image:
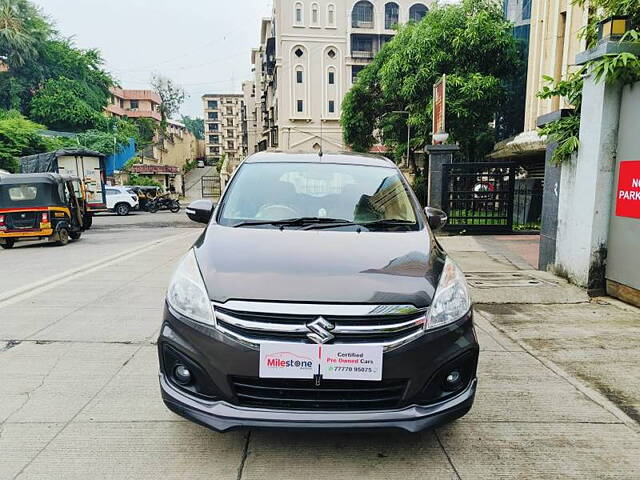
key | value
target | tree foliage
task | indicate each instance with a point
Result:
(195, 126)
(19, 137)
(23, 30)
(471, 43)
(172, 96)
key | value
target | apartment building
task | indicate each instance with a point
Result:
(223, 127)
(249, 118)
(309, 56)
(134, 104)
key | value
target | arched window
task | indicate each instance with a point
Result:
(417, 12)
(298, 14)
(391, 15)
(331, 15)
(362, 15)
(315, 14)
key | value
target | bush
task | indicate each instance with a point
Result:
(142, 181)
(19, 137)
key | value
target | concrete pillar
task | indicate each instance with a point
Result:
(550, 200)
(586, 187)
(438, 156)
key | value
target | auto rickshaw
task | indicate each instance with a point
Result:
(39, 206)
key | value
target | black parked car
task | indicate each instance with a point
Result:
(318, 297)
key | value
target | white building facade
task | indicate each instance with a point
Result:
(310, 54)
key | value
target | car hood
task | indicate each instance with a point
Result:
(319, 266)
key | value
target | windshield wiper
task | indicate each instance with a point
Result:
(292, 222)
(376, 223)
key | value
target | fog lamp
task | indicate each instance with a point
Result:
(182, 374)
(453, 378)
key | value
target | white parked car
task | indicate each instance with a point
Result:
(121, 200)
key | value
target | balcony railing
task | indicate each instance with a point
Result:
(362, 24)
(363, 54)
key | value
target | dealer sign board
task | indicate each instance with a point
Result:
(628, 192)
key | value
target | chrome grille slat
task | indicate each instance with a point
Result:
(252, 327)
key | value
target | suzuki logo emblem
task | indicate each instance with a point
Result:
(320, 330)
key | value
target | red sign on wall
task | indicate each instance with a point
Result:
(628, 193)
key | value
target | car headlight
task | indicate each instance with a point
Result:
(187, 294)
(451, 300)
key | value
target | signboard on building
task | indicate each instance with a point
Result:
(628, 192)
(439, 105)
(155, 169)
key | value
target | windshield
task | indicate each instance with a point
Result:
(263, 192)
(26, 195)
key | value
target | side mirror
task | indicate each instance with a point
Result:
(200, 211)
(436, 218)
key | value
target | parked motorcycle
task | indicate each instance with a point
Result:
(163, 203)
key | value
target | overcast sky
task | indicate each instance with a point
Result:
(204, 45)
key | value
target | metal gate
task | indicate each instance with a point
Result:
(210, 186)
(478, 197)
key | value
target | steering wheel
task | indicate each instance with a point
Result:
(276, 212)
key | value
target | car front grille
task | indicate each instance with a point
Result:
(296, 394)
(389, 326)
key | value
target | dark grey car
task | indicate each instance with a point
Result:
(318, 297)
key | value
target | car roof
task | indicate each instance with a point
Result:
(346, 158)
(22, 178)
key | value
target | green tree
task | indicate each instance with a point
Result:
(172, 96)
(195, 126)
(472, 44)
(64, 104)
(19, 137)
(23, 30)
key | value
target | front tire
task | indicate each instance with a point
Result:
(122, 209)
(175, 207)
(63, 237)
(8, 243)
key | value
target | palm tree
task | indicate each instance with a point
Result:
(23, 28)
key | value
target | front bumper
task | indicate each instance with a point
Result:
(217, 358)
(222, 416)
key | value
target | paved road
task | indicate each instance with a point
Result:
(79, 396)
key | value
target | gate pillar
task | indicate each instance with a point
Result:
(438, 156)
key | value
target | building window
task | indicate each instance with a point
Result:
(331, 53)
(229, 110)
(230, 145)
(299, 76)
(332, 106)
(212, 104)
(134, 104)
(299, 52)
(230, 133)
(417, 12)
(362, 15)
(214, 139)
(299, 16)
(300, 106)
(213, 127)
(331, 15)
(229, 122)
(332, 78)
(391, 15)
(526, 9)
(213, 115)
(354, 72)
(315, 13)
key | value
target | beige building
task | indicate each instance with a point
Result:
(223, 126)
(309, 55)
(134, 104)
(164, 161)
(553, 46)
